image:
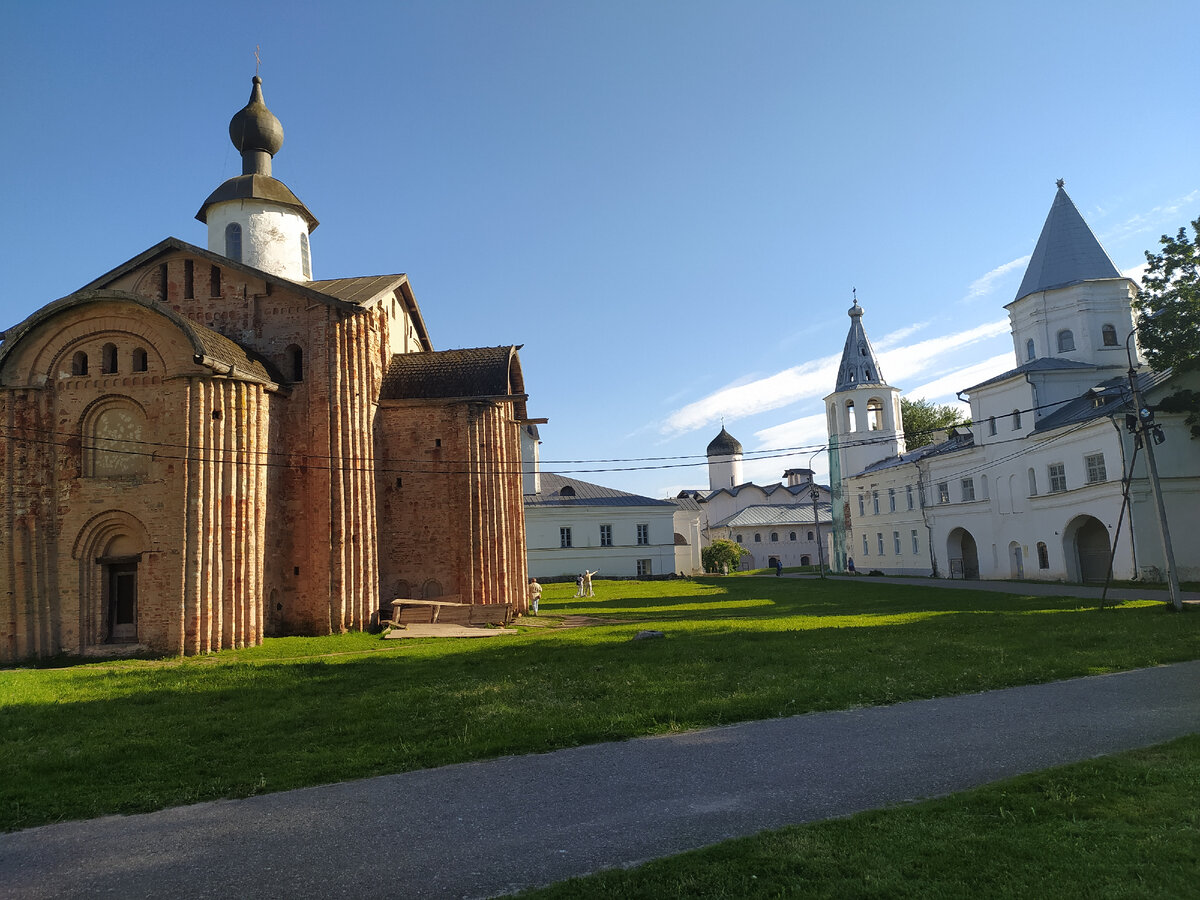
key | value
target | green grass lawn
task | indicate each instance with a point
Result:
(88, 739)
(1122, 826)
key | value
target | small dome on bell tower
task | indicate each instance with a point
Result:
(254, 218)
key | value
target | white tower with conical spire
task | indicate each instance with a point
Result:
(863, 412)
(724, 461)
(1073, 302)
(254, 218)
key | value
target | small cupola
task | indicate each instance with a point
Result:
(254, 218)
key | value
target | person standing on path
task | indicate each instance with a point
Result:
(778, 567)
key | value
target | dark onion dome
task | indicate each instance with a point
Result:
(724, 444)
(258, 136)
(254, 127)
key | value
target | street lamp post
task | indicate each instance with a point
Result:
(816, 495)
(1144, 428)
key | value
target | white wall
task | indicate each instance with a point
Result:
(270, 235)
(547, 559)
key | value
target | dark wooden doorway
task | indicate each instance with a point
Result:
(121, 584)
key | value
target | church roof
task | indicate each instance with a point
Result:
(456, 374)
(257, 187)
(724, 444)
(359, 290)
(1066, 253)
(584, 493)
(348, 294)
(859, 365)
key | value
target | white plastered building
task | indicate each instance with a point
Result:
(1033, 488)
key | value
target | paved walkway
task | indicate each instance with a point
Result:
(487, 828)
(1032, 588)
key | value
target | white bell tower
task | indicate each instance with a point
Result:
(863, 412)
(254, 218)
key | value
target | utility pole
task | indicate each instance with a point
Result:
(1143, 428)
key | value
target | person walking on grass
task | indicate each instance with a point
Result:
(535, 595)
(778, 567)
(579, 585)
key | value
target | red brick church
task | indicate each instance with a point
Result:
(206, 446)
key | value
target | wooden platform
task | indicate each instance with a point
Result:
(449, 611)
(423, 630)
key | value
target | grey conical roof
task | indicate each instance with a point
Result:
(724, 444)
(859, 364)
(1066, 253)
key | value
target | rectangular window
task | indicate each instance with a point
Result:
(908, 493)
(643, 567)
(862, 510)
(891, 499)
(896, 542)
(916, 543)
(1095, 468)
(921, 493)
(943, 492)
(968, 490)
(875, 502)
(866, 551)
(1058, 477)
(643, 535)
(879, 536)
(564, 537)
(605, 535)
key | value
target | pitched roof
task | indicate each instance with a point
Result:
(456, 375)
(1042, 364)
(778, 514)
(767, 489)
(1066, 253)
(348, 294)
(585, 494)
(859, 365)
(960, 440)
(359, 290)
(1111, 397)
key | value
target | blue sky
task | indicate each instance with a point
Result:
(667, 203)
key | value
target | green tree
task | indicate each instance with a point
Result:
(1169, 327)
(924, 418)
(720, 553)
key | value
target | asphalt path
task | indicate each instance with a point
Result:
(493, 827)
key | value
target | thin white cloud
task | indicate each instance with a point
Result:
(1152, 220)
(812, 379)
(945, 388)
(984, 284)
(895, 337)
(817, 378)
(806, 431)
(904, 363)
(1136, 272)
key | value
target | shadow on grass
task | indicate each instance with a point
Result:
(202, 730)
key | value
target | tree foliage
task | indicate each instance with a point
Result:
(722, 553)
(924, 418)
(1169, 304)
